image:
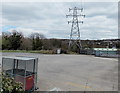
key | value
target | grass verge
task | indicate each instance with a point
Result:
(30, 51)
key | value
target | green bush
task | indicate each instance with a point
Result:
(9, 85)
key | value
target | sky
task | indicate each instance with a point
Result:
(49, 19)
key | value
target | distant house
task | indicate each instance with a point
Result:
(106, 52)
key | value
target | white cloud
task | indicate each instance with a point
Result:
(27, 31)
(49, 19)
(60, 1)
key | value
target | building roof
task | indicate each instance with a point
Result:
(105, 49)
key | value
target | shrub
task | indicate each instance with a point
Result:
(9, 85)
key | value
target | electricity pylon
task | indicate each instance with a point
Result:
(75, 30)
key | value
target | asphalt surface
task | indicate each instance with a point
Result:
(75, 72)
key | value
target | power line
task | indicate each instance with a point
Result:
(75, 30)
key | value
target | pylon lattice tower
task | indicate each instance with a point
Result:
(75, 30)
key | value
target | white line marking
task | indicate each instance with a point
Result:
(55, 89)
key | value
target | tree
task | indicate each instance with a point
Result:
(9, 85)
(15, 40)
(11, 40)
(26, 44)
(47, 45)
(37, 42)
(5, 40)
(56, 43)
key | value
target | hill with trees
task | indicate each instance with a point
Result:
(36, 41)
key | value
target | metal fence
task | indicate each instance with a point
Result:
(22, 69)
